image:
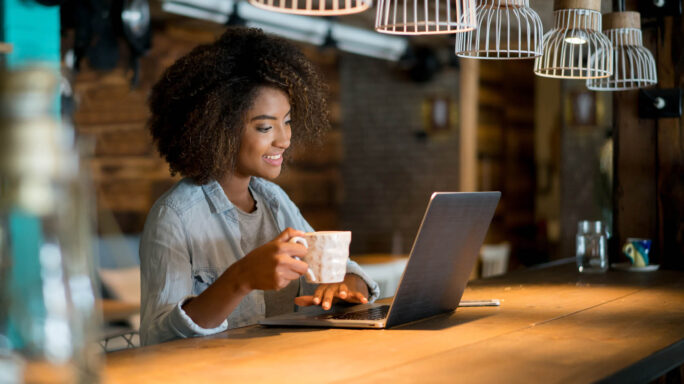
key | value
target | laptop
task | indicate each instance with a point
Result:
(443, 255)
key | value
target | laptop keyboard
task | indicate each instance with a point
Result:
(375, 313)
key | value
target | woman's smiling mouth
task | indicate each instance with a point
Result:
(274, 159)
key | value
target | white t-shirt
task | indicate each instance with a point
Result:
(258, 228)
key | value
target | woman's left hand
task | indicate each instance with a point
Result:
(353, 289)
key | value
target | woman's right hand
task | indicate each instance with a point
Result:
(272, 266)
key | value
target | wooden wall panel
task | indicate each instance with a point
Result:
(649, 155)
(124, 195)
(635, 196)
(670, 144)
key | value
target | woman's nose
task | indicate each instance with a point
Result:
(282, 139)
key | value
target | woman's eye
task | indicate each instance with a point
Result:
(263, 129)
(288, 122)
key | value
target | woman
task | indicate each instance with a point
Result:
(215, 252)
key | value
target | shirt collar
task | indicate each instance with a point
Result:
(217, 198)
(220, 202)
(265, 190)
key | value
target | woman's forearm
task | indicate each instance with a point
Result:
(219, 300)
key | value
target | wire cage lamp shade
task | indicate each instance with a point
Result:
(314, 7)
(633, 64)
(575, 48)
(425, 17)
(506, 29)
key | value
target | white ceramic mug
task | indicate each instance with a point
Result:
(327, 255)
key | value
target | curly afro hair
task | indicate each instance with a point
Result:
(200, 103)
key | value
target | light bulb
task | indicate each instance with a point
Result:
(576, 37)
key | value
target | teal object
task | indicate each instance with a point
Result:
(26, 237)
(33, 31)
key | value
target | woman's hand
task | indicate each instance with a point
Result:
(353, 289)
(273, 266)
(270, 266)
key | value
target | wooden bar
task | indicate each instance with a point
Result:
(553, 325)
(544, 351)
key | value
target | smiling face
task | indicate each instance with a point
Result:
(266, 135)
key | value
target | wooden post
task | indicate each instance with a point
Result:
(469, 79)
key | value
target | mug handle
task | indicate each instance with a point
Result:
(631, 252)
(302, 241)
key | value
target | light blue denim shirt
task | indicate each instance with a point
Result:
(191, 236)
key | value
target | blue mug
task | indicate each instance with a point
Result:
(637, 251)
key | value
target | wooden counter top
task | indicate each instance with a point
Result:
(116, 310)
(553, 325)
(378, 258)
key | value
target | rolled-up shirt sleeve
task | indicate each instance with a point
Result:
(166, 280)
(373, 288)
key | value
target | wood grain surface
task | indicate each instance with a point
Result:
(115, 310)
(669, 51)
(594, 5)
(649, 156)
(617, 20)
(553, 326)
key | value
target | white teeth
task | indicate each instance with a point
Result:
(276, 157)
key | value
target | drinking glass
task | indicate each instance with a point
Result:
(591, 250)
(48, 313)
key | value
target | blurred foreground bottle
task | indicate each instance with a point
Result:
(49, 322)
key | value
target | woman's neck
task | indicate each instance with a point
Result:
(236, 189)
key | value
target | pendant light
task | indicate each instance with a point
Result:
(425, 17)
(506, 29)
(314, 7)
(634, 65)
(575, 48)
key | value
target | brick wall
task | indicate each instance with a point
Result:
(389, 170)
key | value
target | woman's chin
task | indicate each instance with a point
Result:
(270, 176)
